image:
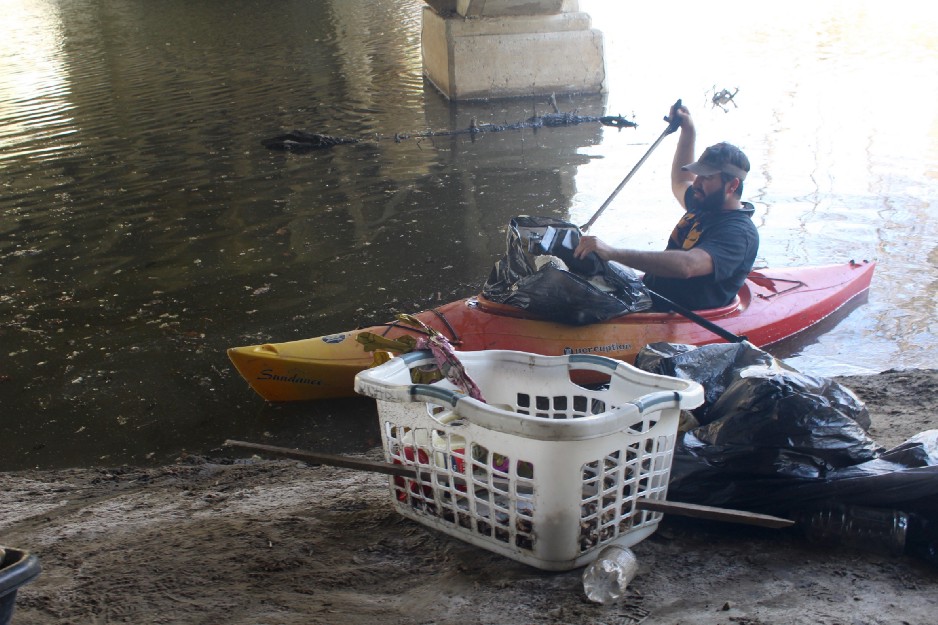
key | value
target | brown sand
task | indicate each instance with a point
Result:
(277, 542)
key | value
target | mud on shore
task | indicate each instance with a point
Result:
(252, 541)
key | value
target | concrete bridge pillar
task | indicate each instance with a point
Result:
(476, 49)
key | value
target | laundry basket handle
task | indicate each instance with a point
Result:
(656, 400)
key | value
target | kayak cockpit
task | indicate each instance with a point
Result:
(739, 303)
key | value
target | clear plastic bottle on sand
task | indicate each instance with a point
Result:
(606, 578)
(879, 530)
(922, 538)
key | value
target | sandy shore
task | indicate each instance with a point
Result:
(251, 541)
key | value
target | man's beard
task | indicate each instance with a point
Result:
(708, 204)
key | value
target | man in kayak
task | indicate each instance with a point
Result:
(713, 247)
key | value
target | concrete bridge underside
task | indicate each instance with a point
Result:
(476, 49)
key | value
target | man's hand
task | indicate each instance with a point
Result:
(683, 154)
(682, 114)
(590, 244)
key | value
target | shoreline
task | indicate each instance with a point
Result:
(248, 541)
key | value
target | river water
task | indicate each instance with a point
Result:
(144, 229)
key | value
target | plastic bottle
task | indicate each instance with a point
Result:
(880, 530)
(607, 577)
(922, 538)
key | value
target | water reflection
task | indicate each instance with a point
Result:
(34, 94)
(144, 229)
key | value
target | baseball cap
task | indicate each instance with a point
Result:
(722, 157)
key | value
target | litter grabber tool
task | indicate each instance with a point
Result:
(673, 124)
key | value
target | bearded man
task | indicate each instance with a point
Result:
(713, 246)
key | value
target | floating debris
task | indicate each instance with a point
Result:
(299, 141)
(723, 97)
(551, 120)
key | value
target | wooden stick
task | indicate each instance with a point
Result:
(332, 460)
(668, 507)
(713, 514)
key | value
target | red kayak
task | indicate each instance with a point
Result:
(773, 304)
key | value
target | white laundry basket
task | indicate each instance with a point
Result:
(548, 470)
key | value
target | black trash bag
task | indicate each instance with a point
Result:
(715, 368)
(702, 475)
(780, 442)
(557, 286)
(777, 440)
(720, 366)
(765, 425)
(903, 478)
